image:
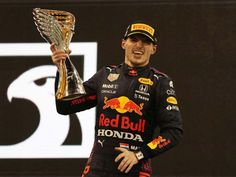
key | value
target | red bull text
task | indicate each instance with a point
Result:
(122, 122)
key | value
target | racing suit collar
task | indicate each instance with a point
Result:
(133, 71)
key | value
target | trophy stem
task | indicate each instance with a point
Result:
(61, 90)
(70, 83)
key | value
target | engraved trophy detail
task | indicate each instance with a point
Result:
(57, 27)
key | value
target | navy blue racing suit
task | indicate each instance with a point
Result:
(131, 104)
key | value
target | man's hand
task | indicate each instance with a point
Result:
(58, 55)
(129, 159)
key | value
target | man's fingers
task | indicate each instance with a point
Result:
(129, 167)
(120, 149)
(119, 157)
(124, 165)
(128, 159)
(53, 47)
(58, 55)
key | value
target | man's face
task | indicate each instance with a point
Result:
(138, 49)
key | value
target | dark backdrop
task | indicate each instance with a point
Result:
(196, 47)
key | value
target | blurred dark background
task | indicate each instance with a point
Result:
(196, 47)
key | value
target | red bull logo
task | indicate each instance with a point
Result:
(157, 142)
(123, 105)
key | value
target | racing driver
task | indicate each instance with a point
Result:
(132, 99)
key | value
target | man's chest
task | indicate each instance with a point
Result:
(126, 93)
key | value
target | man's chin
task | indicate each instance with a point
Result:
(137, 57)
(138, 63)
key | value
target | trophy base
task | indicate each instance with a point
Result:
(69, 97)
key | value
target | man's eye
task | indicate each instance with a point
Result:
(134, 39)
(147, 41)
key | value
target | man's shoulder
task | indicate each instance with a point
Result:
(112, 67)
(161, 77)
(158, 73)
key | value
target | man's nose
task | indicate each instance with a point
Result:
(139, 43)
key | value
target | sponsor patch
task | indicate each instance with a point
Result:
(171, 84)
(123, 104)
(173, 107)
(112, 77)
(156, 142)
(124, 145)
(110, 86)
(138, 96)
(123, 122)
(108, 91)
(170, 92)
(171, 100)
(146, 81)
(101, 142)
(143, 27)
(133, 72)
(119, 135)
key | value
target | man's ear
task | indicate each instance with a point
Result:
(123, 43)
(154, 49)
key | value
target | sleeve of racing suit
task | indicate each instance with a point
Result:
(88, 101)
(168, 119)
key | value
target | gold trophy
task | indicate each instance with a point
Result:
(57, 27)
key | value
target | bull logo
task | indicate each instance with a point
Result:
(123, 105)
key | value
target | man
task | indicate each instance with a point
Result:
(132, 100)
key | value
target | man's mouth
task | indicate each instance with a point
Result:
(137, 52)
